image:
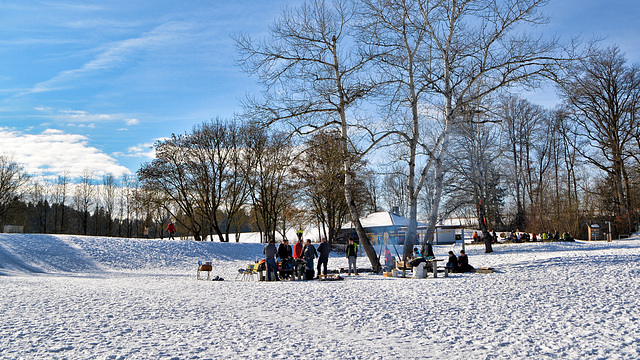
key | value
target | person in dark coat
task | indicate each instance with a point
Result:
(310, 253)
(463, 263)
(284, 250)
(453, 262)
(428, 250)
(286, 261)
(269, 252)
(323, 258)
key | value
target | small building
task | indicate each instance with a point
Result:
(595, 232)
(387, 228)
(382, 228)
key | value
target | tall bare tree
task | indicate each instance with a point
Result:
(522, 122)
(270, 156)
(12, 179)
(59, 200)
(313, 77)
(109, 196)
(603, 94)
(169, 173)
(84, 197)
(218, 162)
(449, 55)
(322, 178)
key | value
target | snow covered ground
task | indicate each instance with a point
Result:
(73, 297)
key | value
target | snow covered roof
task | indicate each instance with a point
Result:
(383, 218)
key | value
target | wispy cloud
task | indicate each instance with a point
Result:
(75, 117)
(114, 55)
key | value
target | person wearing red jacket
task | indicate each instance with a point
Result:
(297, 249)
(171, 229)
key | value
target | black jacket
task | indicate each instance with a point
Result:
(284, 251)
(324, 249)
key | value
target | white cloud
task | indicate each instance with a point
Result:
(142, 150)
(130, 122)
(53, 152)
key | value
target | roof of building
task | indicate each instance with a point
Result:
(379, 219)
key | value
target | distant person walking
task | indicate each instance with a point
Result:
(352, 256)
(323, 259)
(146, 232)
(171, 229)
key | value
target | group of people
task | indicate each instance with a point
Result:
(300, 254)
(459, 264)
(517, 237)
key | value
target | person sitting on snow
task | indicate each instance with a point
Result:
(452, 262)
(463, 263)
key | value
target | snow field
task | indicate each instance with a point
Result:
(70, 297)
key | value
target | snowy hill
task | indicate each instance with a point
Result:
(75, 297)
(37, 253)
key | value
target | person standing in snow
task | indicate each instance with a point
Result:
(270, 252)
(145, 232)
(352, 256)
(297, 250)
(284, 253)
(429, 250)
(171, 229)
(310, 253)
(323, 259)
(284, 250)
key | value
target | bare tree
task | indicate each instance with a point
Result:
(447, 56)
(39, 197)
(394, 189)
(322, 177)
(477, 151)
(217, 160)
(84, 197)
(603, 95)
(314, 78)
(109, 197)
(12, 179)
(270, 156)
(522, 121)
(169, 173)
(59, 199)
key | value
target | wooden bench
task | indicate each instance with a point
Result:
(446, 269)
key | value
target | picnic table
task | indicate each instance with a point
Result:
(405, 265)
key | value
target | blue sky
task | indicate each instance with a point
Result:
(92, 84)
